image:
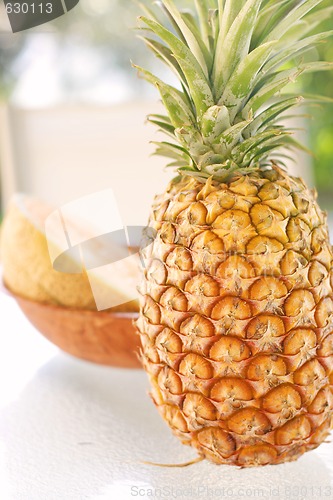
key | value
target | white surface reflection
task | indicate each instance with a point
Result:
(72, 430)
(22, 350)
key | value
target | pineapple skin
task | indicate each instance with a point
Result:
(236, 320)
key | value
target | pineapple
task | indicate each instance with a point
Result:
(236, 320)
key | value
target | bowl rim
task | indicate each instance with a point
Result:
(5, 290)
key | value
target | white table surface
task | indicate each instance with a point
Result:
(71, 430)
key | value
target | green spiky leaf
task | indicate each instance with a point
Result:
(235, 61)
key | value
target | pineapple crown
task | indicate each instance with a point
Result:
(233, 58)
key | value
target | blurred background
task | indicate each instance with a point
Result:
(73, 110)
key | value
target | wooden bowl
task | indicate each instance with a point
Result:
(101, 337)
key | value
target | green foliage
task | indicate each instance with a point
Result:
(10, 48)
(321, 124)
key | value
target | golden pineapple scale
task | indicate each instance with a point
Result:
(236, 323)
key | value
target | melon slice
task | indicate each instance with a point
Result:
(45, 269)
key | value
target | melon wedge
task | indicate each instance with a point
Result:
(29, 271)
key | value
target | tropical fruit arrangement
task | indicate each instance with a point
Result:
(236, 320)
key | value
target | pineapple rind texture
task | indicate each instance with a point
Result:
(236, 317)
